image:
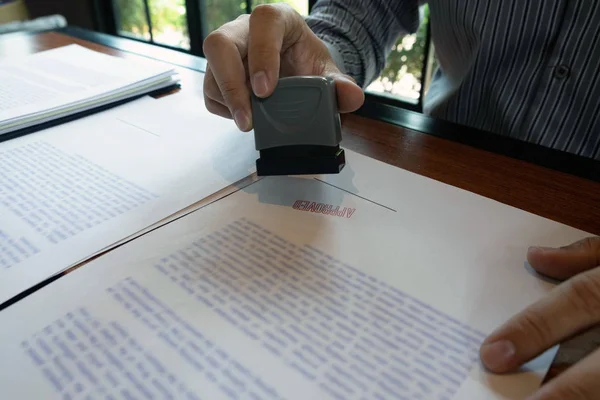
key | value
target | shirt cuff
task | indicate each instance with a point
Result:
(335, 55)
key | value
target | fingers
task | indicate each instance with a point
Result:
(224, 50)
(350, 96)
(217, 108)
(318, 61)
(273, 29)
(212, 94)
(570, 308)
(568, 261)
(246, 55)
(579, 382)
(211, 89)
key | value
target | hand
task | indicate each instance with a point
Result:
(571, 307)
(252, 52)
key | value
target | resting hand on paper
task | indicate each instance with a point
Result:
(254, 51)
(571, 308)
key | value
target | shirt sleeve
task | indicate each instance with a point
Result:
(360, 34)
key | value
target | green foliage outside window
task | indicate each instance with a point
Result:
(402, 75)
(169, 17)
(132, 18)
(218, 12)
(169, 23)
(299, 5)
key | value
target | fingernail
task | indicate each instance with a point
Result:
(534, 249)
(539, 249)
(260, 84)
(241, 119)
(498, 355)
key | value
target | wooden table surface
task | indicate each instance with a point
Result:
(558, 196)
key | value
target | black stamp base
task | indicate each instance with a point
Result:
(301, 160)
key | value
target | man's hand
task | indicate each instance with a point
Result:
(572, 307)
(252, 52)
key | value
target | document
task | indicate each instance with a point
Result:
(75, 190)
(292, 288)
(59, 82)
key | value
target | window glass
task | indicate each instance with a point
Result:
(402, 77)
(131, 19)
(218, 12)
(169, 22)
(299, 5)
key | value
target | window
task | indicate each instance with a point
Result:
(169, 23)
(219, 12)
(299, 5)
(157, 21)
(402, 77)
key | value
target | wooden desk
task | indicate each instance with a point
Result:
(438, 154)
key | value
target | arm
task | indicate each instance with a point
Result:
(360, 34)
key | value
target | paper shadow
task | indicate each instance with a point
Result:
(328, 189)
(287, 190)
(343, 180)
(231, 156)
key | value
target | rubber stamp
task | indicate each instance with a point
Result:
(297, 128)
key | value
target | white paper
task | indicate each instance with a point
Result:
(71, 191)
(292, 289)
(61, 81)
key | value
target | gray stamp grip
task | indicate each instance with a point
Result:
(297, 130)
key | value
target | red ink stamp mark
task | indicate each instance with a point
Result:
(323, 208)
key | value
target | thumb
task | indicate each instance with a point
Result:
(568, 261)
(350, 96)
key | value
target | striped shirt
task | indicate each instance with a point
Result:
(528, 69)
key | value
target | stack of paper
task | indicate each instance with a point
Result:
(68, 80)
